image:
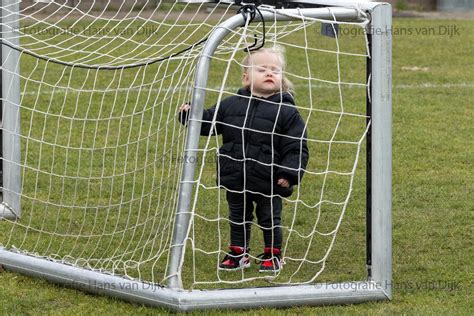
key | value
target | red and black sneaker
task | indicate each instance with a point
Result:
(270, 260)
(236, 259)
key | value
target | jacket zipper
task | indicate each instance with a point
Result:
(254, 103)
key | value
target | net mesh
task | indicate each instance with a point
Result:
(102, 149)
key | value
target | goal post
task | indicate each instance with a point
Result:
(381, 144)
(10, 206)
(380, 102)
(381, 147)
(78, 268)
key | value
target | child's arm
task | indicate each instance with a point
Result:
(207, 117)
(293, 151)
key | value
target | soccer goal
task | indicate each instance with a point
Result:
(104, 190)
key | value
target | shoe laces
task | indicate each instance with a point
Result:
(235, 256)
(266, 256)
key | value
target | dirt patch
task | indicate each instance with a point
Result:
(191, 13)
(206, 12)
(436, 15)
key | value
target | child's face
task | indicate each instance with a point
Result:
(264, 75)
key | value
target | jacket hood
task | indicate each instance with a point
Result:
(284, 97)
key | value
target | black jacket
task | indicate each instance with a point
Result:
(246, 154)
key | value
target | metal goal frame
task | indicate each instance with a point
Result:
(376, 287)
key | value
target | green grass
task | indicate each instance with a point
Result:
(433, 155)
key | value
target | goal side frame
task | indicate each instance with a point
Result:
(10, 193)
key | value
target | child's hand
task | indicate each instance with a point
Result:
(184, 113)
(283, 183)
(185, 107)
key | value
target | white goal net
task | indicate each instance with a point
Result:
(102, 149)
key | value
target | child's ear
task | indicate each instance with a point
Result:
(245, 79)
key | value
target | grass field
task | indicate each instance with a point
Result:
(433, 155)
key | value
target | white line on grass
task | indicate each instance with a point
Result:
(334, 86)
(435, 85)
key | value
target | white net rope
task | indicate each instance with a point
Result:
(102, 149)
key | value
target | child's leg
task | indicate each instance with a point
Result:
(240, 211)
(269, 217)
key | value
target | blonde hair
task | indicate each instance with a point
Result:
(279, 51)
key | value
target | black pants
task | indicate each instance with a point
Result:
(268, 211)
